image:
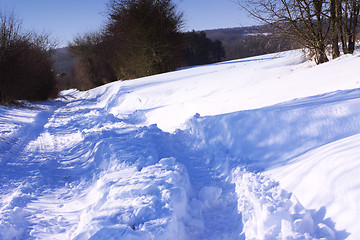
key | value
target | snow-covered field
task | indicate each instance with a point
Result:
(260, 148)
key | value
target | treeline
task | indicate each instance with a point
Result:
(144, 37)
(26, 71)
(318, 25)
(141, 38)
(244, 42)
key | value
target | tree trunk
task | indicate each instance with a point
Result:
(353, 25)
(321, 55)
(320, 39)
(343, 25)
(334, 29)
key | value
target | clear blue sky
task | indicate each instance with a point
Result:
(64, 19)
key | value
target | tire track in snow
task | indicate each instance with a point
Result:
(71, 196)
(263, 210)
(212, 202)
(18, 172)
(126, 181)
(16, 154)
(211, 205)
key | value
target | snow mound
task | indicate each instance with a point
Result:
(270, 212)
(334, 166)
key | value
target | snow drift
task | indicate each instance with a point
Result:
(259, 148)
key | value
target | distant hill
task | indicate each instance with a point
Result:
(63, 60)
(63, 63)
(229, 35)
(243, 42)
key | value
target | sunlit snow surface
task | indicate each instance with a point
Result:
(260, 148)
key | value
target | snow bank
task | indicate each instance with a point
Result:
(272, 136)
(309, 145)
(194, 154)
(272, 213)
(170, 99)
(328, 176)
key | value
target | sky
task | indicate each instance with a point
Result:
(65, 19)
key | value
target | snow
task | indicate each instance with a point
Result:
(259, 148)
(333, 166)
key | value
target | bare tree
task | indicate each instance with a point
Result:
(304, 21)
(335, 27)
(25, 63)
(92, 65)
(348, 15)
(9, 31)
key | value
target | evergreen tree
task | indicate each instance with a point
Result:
(201, 50)
(218, 51)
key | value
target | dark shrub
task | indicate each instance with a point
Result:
(25, 64)
(145, 36)
(92, 65)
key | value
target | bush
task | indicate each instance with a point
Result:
(145, 36)
(25, 64)
(141, 38)
(92, 66)
(202, 50)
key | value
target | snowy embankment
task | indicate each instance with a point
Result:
(261, 148)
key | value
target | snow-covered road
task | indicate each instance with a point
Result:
(94, 165)
(119, 180)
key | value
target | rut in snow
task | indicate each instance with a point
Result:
(212, 201)
(113, 174)
(120, 180)
(263, 210)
